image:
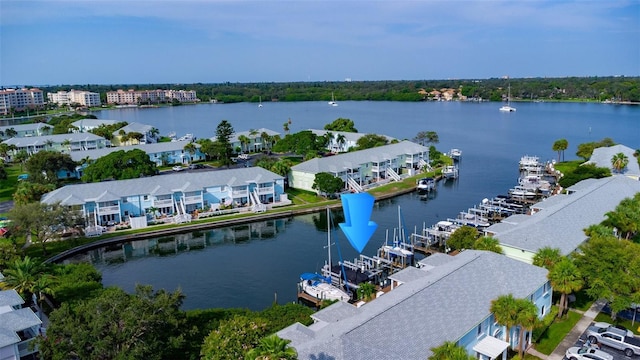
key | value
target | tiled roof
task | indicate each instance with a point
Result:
(449, 301)
(351, 160)
(77, 194)
(562, 224)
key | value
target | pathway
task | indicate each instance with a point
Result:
(573, 336)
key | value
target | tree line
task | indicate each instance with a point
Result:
(495, 89)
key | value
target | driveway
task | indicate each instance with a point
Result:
(5, 206)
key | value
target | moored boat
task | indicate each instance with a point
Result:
(320, 287)
(450, 172)
(426, 184)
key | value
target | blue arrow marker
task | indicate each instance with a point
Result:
(357, 212)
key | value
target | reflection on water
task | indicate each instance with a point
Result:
(176, 244)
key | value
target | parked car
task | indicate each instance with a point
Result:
(579, 353)
(177, 168)
(196, 166)
(614, 337)
(614, 328)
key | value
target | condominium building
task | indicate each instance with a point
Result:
(20, 100)
(84, 98)
(149, 96)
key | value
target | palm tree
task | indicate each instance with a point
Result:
(282, 167)
(191, 149)
(44, 286)
(67, 143)
(10, 132)
(505, 311)
(22, 275)
(48, 143)
(527, 319)
(341, 140)
(619, 161)
(488, 243)
(560, 146)
(266, 140)
(449, 351)
(154, 133)
(244, 141)
(432, 137)
(285, 127)
(547, 257)
(565, 278)
(272, 347)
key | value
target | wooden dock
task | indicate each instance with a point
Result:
(309, 299)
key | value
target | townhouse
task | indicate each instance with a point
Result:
(360, 168)
(18, 327)
(163, 153)
(342, 141)
(25, 130)
(65, 143)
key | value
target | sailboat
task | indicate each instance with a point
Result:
(508, 107)
(260, 103)
(333, 100)
(318, 286)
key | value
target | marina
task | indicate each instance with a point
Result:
(213, 267)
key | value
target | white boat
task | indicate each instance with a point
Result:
(260, 103)
(520, 192)
(333, 100)
(455, 154)
(508, 107)
(426, 184)
(450, 172)
(399, 250)
(321, 287)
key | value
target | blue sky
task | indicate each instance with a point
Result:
(164, 41)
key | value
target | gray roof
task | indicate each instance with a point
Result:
(78, 194)
(93, 122)
(601, 157)
(14, 321)
(561, 225)
(134, 127)
(349, 136)
(446, 303)
(153, 148)
(351, 160)
(56, 139)
(10, 298)
(25, 127)
(247, 133)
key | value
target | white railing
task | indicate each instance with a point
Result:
(354, 185)
(163, 203)
(192, 199)
(239, 193)
(392, 174)
(109, 210)
(265, 190)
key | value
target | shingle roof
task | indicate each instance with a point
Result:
(14, 321)
(10, 298)
(153, 148)
(350, 160)
(25, 127)
(601, 157)
(450, 300)
(247, 133)
(134, 127)
(349, 136)
(56, 139)
(93, 122)
(77, 194)
(561, 225)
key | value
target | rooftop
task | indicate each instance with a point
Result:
(153, 148)
(452, 296)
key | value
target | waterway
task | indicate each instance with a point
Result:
(248, 266)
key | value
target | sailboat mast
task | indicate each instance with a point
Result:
(329, 237)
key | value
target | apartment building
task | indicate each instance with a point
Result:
(149, 96)
(20, 100)
(84, 98)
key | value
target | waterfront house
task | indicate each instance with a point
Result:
(64, 143)
(560, 220)
(174, 194)
(18, 327)
(342, 141)
(149, 134)
(86, 125)
(254, 140)
(361, 168)
(163, 153)
(602, 156)
(25, 130)
(447, 299)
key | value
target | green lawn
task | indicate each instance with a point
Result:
(556, 332)
(619, 321)
(568, 166)
(8, 186)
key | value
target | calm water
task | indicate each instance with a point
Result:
(246, 266)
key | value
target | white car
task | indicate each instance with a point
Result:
(621, 329)
(177, 168)
(590, 353)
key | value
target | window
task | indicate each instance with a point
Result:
(124, 200)
(542, 310)
(145, 198)
(480, 332)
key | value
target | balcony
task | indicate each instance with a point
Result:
(106, 210)
(163, 203)
(239, 193)
(265, 190)
(192, 199)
